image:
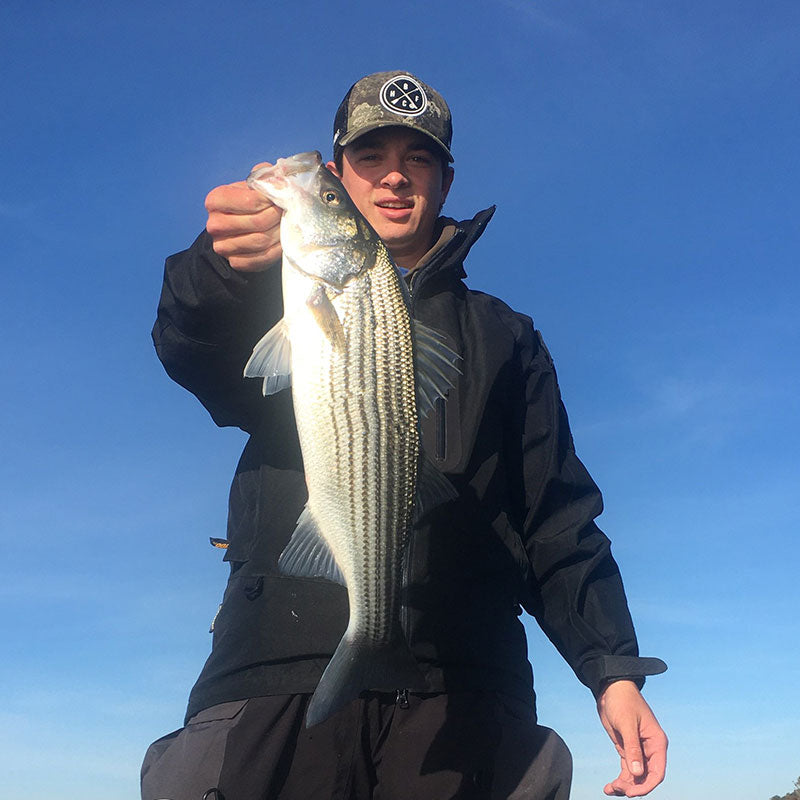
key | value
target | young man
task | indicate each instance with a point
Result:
(520, 534)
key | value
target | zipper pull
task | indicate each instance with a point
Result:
(402, 698)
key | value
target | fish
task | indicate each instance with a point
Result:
(362, 372)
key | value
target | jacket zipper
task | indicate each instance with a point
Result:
(412, 287)
(405, 622)
(406, 571)
(402, 694)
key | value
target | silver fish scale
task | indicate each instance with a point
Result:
(361, 478)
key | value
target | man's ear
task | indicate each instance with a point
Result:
(331, 165)
(447, 182)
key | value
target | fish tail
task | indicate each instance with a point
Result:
(358, 666)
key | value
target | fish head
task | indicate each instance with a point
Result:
(323, 234)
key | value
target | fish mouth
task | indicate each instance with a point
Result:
(302, 162)
(271, 180)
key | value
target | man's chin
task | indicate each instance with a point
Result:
(395, 236)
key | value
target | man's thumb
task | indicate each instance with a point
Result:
(634, 759)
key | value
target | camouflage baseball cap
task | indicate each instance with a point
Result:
(392, 98)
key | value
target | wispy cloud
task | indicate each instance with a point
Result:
(677, 396)
(686, 614)
(705, 380)
(534, 13)
(17, 211)
(692, 408)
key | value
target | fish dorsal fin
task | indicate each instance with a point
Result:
(307, 555)
(436, 366)
(272, 360)
(433, 488)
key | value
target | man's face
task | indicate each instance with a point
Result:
(394, 176)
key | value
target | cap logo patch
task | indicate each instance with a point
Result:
(403, 95)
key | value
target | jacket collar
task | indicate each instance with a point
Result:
(453, 241)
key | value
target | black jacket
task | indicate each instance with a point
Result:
(520, 535)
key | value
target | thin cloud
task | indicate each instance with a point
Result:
(697, 614)
(541, 19)
(17, 212)
(697, 409)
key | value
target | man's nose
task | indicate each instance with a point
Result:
(394, 177)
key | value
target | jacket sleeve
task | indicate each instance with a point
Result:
(209, 318)
(575, 588)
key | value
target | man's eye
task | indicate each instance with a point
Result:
(330, 197)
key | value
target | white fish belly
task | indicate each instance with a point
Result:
(356, 416)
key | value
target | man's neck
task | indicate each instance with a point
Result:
(443, 232)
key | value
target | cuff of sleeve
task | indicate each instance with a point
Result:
(598, 672)
(222, 266)
(218, 263)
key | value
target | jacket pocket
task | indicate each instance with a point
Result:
(440, 409)
(440, 432)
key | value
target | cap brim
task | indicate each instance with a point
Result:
(351, 136)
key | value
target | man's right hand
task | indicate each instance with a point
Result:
(244, 226)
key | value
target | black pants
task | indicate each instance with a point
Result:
(462, 745)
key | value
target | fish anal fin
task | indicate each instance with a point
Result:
(307, 555)
(271, 360)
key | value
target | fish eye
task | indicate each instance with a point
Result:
(330, 197)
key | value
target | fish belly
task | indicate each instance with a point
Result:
(356, 416)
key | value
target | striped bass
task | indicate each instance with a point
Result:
(362, 371)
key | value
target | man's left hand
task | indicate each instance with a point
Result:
(639, 739)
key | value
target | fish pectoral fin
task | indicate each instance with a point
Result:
(433, 488)
(272, 360)
(321, 308)
(307, 555)
(436, 366)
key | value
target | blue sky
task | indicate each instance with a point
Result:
(643, 155)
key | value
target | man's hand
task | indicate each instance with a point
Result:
(244, 226)
(638, 737)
